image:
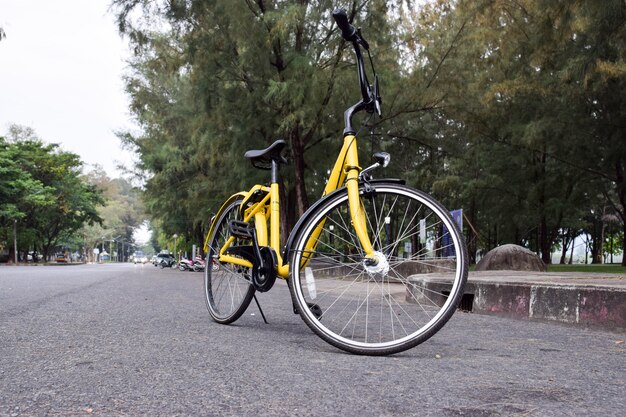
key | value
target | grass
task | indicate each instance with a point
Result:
(603, 268)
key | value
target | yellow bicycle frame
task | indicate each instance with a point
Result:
(346, 170)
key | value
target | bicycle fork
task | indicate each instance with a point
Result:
(346, 170)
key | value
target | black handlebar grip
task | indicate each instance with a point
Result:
(347, 30)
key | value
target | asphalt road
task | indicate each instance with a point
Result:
(129, 340)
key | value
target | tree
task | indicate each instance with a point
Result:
(514, 81)
(43, 192)
(122, 213)
(511, 110)
(18, 192)
(228, 76)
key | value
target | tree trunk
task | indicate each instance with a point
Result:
(624, 243)
(415, 241)
(297, 148)
(544, 243)
(46, 251)
(568, 242)
(597, 242)
(14, 252)
(620, 185)
(288, 216)
(472, 239)
(564, 240)
(11, 255)
(198, 237)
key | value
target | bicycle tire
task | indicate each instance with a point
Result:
(390, 307)
(227, 289)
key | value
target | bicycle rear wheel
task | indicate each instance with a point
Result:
(394, 305)
(228, 291)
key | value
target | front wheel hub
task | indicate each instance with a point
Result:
(380, 268)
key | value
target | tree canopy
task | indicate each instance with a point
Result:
(511, 110)
(536, 89)
(121, 213)
(42, 192)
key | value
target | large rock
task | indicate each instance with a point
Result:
(512, 258)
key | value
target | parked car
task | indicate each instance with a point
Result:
(60, 258)
(164, 260)
(33, 257)
(139, 257)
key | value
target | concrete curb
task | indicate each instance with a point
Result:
(588, 300)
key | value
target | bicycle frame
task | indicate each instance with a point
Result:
(345, 170)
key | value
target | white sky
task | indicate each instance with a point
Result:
(60, 73)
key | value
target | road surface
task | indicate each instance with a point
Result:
(129, 340)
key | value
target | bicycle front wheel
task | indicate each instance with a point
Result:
(228, 291)
(396, 304)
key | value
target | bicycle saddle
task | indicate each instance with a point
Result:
(263, 158)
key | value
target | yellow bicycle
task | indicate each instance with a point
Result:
(374, 267)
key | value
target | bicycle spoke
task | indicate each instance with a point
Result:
(369, 307)
(227, 291)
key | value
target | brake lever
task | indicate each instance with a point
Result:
(374, 103)
(362, 40)
(377, 98)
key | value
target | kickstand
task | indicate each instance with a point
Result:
(259, 305)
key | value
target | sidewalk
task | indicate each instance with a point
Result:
(583, 299)
(50, 263)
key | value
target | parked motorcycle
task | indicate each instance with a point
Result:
(198, 264)
(185, 265)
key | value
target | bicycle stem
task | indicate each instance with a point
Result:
(347, 118)
(367, 100)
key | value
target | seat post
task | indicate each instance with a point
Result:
(275, 216)
(275, 165)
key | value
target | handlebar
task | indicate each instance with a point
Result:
(347, 30)
(370, 99)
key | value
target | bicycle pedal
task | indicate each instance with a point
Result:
(314, 308)
(240, 229)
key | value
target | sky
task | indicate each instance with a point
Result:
(61, 65)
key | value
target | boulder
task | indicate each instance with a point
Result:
(512, 258)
